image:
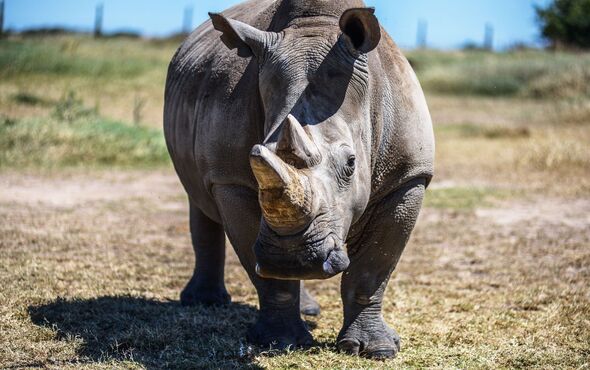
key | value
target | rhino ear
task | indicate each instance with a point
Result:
(362, 28)
(238, 35)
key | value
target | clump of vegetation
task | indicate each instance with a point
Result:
(555, 152)
(566, 23)
(27, 98)
(575, 111)
(70, 108)
(138, 104)
(89, 141)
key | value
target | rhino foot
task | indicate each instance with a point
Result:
(194, 294)
(371, 338)
(280, 329)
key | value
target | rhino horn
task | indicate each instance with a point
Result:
(295, 146)
(285, 196)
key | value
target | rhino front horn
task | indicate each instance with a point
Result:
(296, 146)
(284, 194)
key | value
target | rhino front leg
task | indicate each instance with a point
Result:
(279, 322)
(206, 285)
(379, 247)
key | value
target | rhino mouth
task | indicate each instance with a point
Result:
(316, 260)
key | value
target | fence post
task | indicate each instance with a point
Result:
(488, 38)
(421, 34)
(187, 21)
(98, 16)
(1, 18)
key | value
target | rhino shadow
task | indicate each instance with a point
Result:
(154, 333)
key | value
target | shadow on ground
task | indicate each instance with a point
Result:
(153, 333)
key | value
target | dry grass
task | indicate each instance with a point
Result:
(94, 283)
(535, 159)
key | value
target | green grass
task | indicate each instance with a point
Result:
(534, 74)
(91, 141)
(70, 57)
(464, 198)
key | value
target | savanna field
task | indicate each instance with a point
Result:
(95, 247)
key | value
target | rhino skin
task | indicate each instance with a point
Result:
(299, 130)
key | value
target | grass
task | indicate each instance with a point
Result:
(539, 159)
(114, 73)
(110, 74)
(92, 262)
(95, 285)
(555, 152)
(88, 142)
(464, 198)
(468, 130)
(533, 74)
(68, 57)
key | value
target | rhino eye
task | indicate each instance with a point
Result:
(350, 163)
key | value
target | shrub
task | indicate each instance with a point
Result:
(566, 23)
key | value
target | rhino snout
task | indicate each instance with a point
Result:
(288, 267)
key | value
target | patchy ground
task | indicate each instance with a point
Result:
(91, 266)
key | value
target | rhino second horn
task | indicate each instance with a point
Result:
(295, 145)
(284, 195)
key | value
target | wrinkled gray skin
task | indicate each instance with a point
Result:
(299, 129)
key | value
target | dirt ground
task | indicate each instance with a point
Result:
(91, 266)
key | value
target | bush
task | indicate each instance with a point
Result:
(566, 23)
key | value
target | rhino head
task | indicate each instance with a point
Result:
(314, 167)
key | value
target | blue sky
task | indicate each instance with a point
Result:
(450, 22)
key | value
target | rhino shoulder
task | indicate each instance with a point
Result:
(403, 140)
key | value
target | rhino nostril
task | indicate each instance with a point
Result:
(327, 267)
(336, 262)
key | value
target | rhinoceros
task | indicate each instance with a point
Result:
(299, 130)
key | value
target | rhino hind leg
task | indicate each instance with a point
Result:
(381, 243)
(206, 285)
(307, 304)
